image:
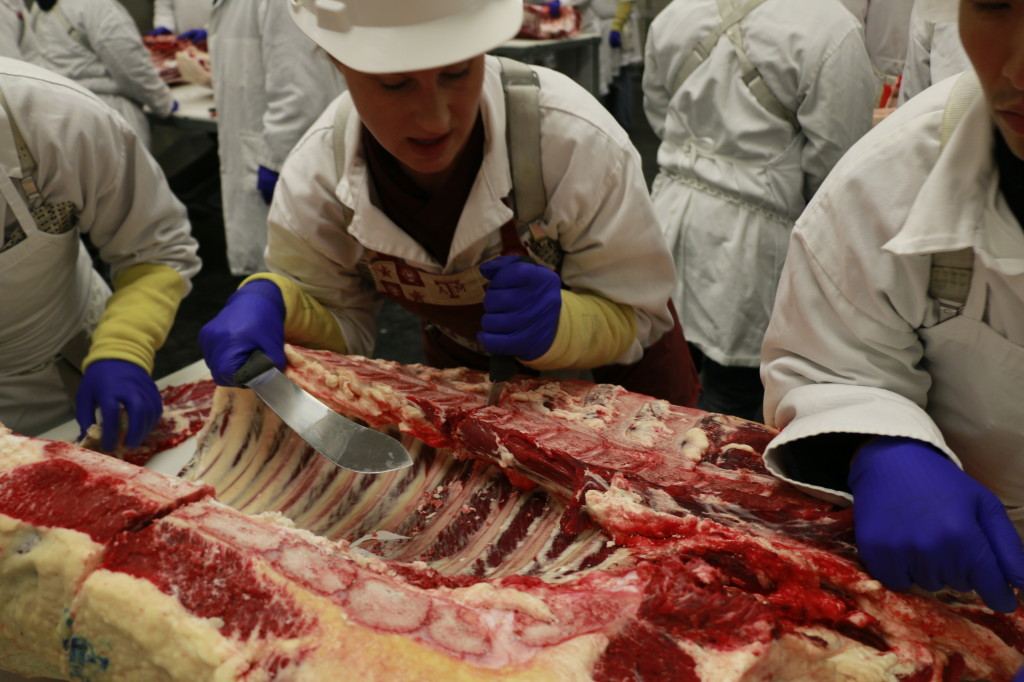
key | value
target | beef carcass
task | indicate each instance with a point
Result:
(571, 532)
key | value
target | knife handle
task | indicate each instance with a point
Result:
(503, 368)
(257, 363)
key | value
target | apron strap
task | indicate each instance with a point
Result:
(25, 158)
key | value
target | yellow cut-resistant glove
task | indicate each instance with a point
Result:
(622, 12)
(592, 332)
(138, 316)
(307, 322)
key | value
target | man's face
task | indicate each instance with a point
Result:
(993, 37)
(424, 118)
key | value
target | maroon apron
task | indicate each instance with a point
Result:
(450, 308)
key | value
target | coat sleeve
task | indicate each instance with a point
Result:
(833, 118)
(655, 86)
(917, 66)
(299, 83)
(115, 39)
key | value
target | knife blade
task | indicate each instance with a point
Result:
(347, 444)
(500, 369)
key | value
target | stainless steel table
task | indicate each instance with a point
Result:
(196, 111)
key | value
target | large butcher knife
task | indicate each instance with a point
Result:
(349, 445)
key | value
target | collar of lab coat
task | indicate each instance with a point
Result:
(483, 214)
(959, 204)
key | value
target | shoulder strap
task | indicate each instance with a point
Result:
(522, 129)
(731, 15)
(341, 115)
(950, 279)
(25, 158)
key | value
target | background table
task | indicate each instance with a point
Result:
(576, 57)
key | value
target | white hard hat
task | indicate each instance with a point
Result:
(394, 36)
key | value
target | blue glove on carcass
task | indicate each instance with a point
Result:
(615, 39)
(194, 35)
(521, 305)
(554, 9)
(266, 181)
(252, 318)
(109, 384)
(919, 519)
(160, 31)
(1020, 676)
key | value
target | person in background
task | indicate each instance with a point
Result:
(742, 150)
(13, 16)
(269, 84)
(97, 44)
(187, 18)
(73, 168)
(895, 354)
(620, 49)
(886, 34)
(934, 51)
(408, 197)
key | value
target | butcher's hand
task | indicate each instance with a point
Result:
(522, 305)
(554, 9)
(160, 31)
(266, 181)
(252, 318)
(195, 35)
(1020, 676)
(107, 385)
(919, 519)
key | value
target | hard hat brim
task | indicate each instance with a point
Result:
(399, 49)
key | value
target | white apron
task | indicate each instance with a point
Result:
(975, 397)
(49, 277)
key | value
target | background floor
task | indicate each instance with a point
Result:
(197, 184)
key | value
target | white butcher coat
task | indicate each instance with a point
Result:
(12, 28)
(115, 65)
(934, 52)
(886, 28)
(90, 158)
(733, 177)
(611, 60)
(270, 82)
(598, 210)
(854, 344)
(181, 15)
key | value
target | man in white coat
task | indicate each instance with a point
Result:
(742, 150)
(934, 52)
(187, 17)
(96, 43)
(72, 168)
(886, 30)
(895, 354)
(13, 18)
(269, 83)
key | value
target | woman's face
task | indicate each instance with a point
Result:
(993, 37)
(423, 118)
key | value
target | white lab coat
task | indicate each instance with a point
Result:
(886, 28)
(270, 83)
(12, 28)
(598, 210)
(855, 345)
(181, 15)
(115, 64)
(90, 158)
(733, 177)
(934, 51)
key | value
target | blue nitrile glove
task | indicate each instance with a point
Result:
(160, 31)
(109, 384)
(266, 180)
(1020, 676)
(615, 39)
(919, 519)
(554, 9)
(521, 307)
(195, 35)
(174, 106)
(252, 318)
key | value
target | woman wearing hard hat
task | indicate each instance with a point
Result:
(410, 196)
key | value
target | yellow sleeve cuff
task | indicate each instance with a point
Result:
(138, 316)
(622, 11)
(592, 332)
(306, 322)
